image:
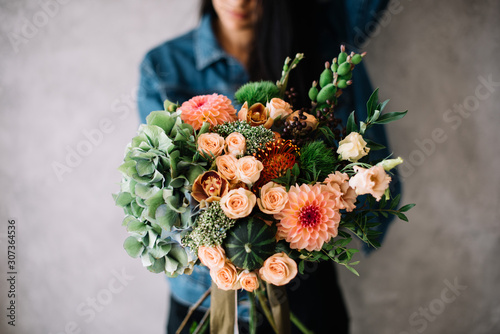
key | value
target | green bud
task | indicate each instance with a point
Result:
(342, 57)
(326, 77)
(344, 68)
(313, 93)
(326, 93)
(389, 164)
(341, 84)
(356, 59)
(334, 67)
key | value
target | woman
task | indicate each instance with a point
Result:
(242, 40)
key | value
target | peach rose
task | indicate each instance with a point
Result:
(235, 144)
(372, 181)
(238, 203)
(209, 186)
(310, 119)
(278, 269)
(249, 281)
(226, 277)
(273, 198)
(352, 147)
(212, 257)
(226, 165)
(210, 143)
(278, 108)
(248, 169)
(340, 182)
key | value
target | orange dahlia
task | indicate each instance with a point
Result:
(214, 109)
(310, 218)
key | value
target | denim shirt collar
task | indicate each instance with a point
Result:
(206, 47)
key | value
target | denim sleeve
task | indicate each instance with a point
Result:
(361, 14)
(148, 95)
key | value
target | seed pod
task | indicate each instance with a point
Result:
(344, 69)
(356, 59)
(342, 57)
(341, 84)
(313, 93)
(326, 77)
(326, 93)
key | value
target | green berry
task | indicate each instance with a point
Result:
(326, 77)
(344, 68)
(342, 57)
(341, 84)
(356, 59)
(313, 93)
(326, 93)
(346, 77)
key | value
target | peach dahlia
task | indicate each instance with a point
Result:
(310, 218)
(214, 109)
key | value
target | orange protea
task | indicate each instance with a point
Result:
(310, 218)
(277, 157)
(214, 109)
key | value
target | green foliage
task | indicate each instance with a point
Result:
(317, 160)
(159, 167)
(256, 136)
(257, 92)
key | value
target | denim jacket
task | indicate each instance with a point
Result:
(195, 64)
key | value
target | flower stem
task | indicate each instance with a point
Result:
(299, 324)
(265, 308)
(252, 321)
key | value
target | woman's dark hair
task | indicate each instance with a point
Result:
(284, 28)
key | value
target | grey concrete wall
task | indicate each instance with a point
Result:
(66, 74)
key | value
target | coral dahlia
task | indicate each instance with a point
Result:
(214, 109)
(310, 218)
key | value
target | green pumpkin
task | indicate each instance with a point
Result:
(249, 243)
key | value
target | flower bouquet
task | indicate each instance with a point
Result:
(253, 195)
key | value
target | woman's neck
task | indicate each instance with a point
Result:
(237, 43)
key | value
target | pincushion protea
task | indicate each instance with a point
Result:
(310, 218)
(214, 109)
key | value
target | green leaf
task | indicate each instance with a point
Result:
(382, 105)
(372, 104)
(158, 266)
(395, 202)
(402, 216)
(166, 217)
(373, 145)
(390, 117)
(133, 246)
(162, 119)
(137, 227)
(407, 207)
(352, 270)
(301, 267)
(351, 124)
(123, 199)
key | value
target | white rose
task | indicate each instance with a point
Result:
(353, 147)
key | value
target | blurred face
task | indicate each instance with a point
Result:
(236, 14)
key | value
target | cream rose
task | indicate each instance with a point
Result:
(273, 198)
(226, 277)
(248, 281)
(226, 165)
(352, 147)
(210, 143)
(278, 108)
(340, 182)
(238, 203)
(278, 269)
(212, 257)
(235, 144)
(248, 169)
(372, 181)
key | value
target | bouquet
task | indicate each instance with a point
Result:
(255, 194)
